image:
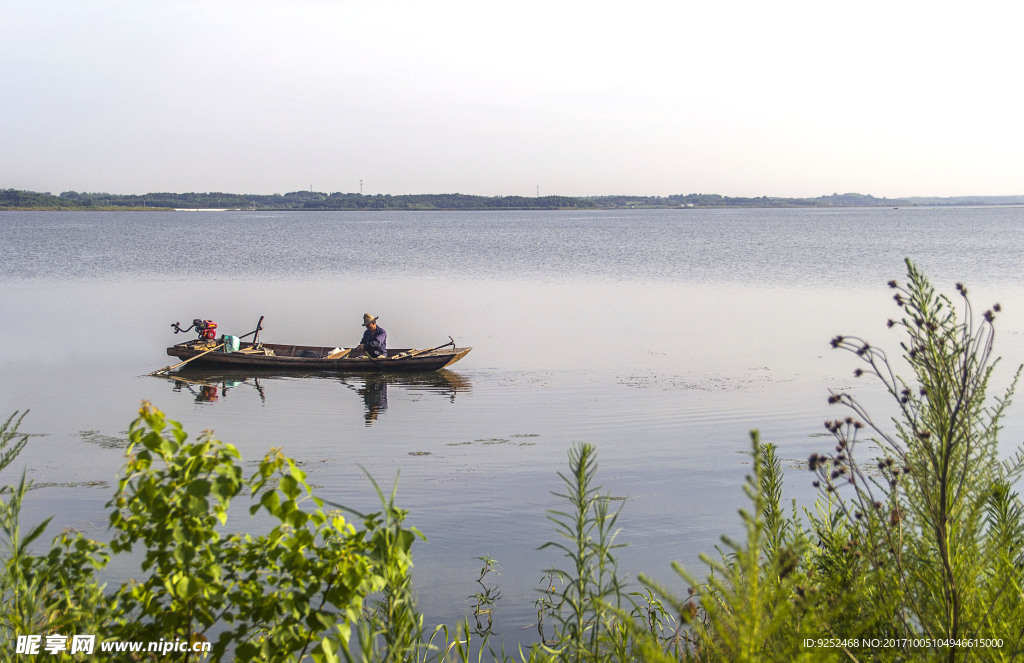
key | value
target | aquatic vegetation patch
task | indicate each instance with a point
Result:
(105, 441)
(68, 484)
(652, 380)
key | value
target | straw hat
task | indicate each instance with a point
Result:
(367, 319)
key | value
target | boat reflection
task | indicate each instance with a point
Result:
(210, 384)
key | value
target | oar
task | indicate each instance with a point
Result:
(451, 342)
(167, 369)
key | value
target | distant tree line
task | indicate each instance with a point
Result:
(311, 200)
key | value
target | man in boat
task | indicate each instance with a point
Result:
(374, 338)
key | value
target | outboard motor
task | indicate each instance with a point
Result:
(207, 329)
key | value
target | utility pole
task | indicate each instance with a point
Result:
(360, 187)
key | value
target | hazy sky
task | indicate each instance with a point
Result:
(753, 98)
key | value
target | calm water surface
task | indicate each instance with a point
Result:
(662, 337)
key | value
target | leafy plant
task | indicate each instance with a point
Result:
(288, 595)
(752, 604)
(932, 510)
(589, 602)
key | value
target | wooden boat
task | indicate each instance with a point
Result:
(315, 358)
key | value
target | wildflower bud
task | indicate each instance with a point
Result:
(836, 341)
(816, 484)
(898, 299)
(961, 289)
(996, 307)
(858, 425)
(833, 399)
(989, 317)
(893, 284)
(849, 420)
(858, 372)
(890, 323)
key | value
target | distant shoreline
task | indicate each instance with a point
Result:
(17, 200)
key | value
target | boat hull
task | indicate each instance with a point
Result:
(314, 358)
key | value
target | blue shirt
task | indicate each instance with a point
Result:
(375, 342)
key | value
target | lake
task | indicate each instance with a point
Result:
(661, 336)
